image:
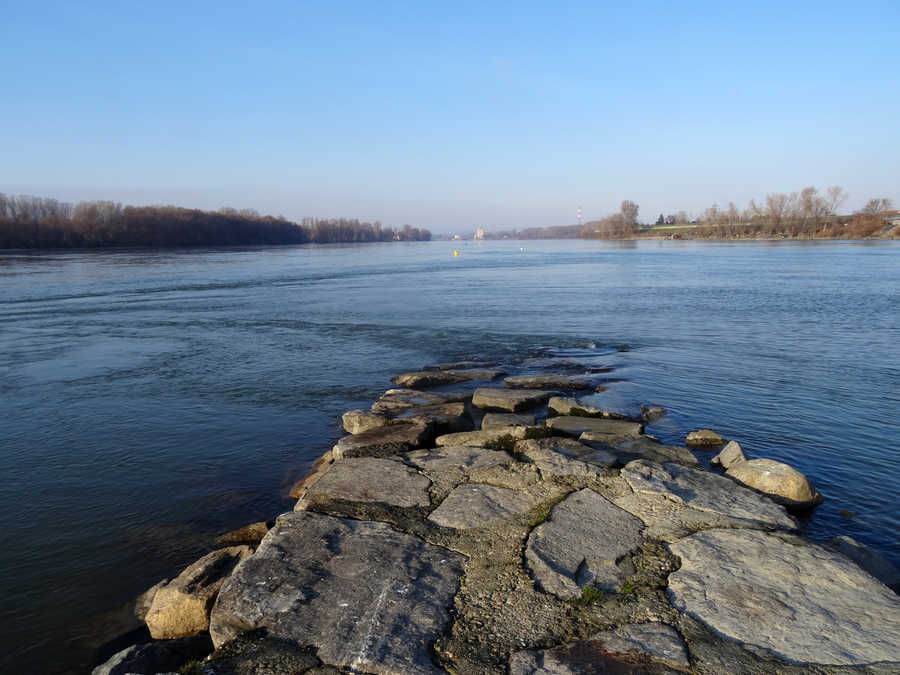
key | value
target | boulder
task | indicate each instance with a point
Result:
(469, 506)
(358, 421)
(795, 599)
(496, 420)
(489, 437)
(649, 449)
(652, 414)
(626, 649)
(575, 408)
(461, 459)
(730, 455)
(144, 601)
(508, 400)
(182, 606)
(437, 378)
(674, 500)
(366, 597)
(875, 564)
(598, 430)
(780, 481)
(704, 438)
(250, 534)
(586, 541)
(370, 479)
(547, 382)
(564, 457)
(383, 441)
(156, 657)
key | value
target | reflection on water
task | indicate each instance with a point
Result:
(152, 399)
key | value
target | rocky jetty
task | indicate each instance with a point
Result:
(576, 544)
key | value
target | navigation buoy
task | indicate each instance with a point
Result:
(455, 253)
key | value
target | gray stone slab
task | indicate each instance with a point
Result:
(383, 441)
(561, 457)
(627, 649)
(872, 562)
(547, 382)
(395, 401)
(559, 405)
(508, 400)
(646, 448)
(800, 601)
(604, 430)
(444, 418)
(495, 420)
(368, 598)
(586, 541)
(702, 491)
(460, 459)
(370, 479)
(469, 506)
(486, 437)
(730, 455)
(358, 421)
(436, 378)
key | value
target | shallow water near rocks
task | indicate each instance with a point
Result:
(151, 400)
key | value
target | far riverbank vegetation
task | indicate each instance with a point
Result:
(37, 222)
(807, 214)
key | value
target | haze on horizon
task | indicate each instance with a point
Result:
(448, 117)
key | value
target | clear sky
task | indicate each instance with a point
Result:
(449, 115)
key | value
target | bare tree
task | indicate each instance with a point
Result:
(629, 211)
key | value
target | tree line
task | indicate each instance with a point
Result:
(37, 222)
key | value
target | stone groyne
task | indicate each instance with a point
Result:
(469, 525)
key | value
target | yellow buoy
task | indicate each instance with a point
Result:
(455, 253)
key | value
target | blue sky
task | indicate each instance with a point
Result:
(449, 115)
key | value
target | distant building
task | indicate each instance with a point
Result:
(479, 233)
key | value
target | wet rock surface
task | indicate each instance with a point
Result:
(787, 596)
(436, 378)
(508, 400)
(250, 534)
(547, 382)
(371, 479)
(586, 541)
(395, 401)
(365, 596)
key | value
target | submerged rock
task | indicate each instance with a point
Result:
(595, 429)
(875, 564)
(652, 414)
(370, 479)
(366, 597)
(383, 441)
(436, 378)
(795, 599)
(319, 467)
(704, 438)
(256, 653)
(496, 420)
(780, 481)
(461, 365)
(358, 421)
(730, 455)
(586, 541)
(547, 382)
(469, 506)
(250, 534)
(156, 657)
(631, 648)
(182, 606)
(508, 400)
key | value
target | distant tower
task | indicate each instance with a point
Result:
(579, 216)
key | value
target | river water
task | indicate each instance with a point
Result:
(150, 400)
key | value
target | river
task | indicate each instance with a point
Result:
(150, 400)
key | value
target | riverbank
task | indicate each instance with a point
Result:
(471, 525)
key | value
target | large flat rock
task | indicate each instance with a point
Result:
(445, 418)
(486, 437)
(395, 401)
(712, 500)
(604, 430)
(437, 378)
(495, 420)
(461, 459)
(370, 479)
(508, 400)
(646, 448)
(358, 421)
(586, 541)
(547, 382)
(556, 456)
(469, 506)
(368, 598)
(559, 405)
(383, 441)
(632, 648)
(797, 600)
